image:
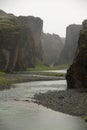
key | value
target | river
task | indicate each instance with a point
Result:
(18, 112)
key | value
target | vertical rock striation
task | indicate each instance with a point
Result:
(20, 41)
(69, 50)
(35, 24)
(77, 73)
(52, 46)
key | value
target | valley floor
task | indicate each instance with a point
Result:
(71, 102)
(7, 80)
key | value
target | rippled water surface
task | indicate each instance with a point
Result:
(17, 112)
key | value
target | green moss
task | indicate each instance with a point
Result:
(86, 118)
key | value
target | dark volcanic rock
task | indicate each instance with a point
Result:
(52, 46)
(77, 73)
(20, 44)
(69, 50)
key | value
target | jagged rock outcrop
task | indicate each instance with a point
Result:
(77, 73)
(19, 41)
(52, 46)
(69, 50)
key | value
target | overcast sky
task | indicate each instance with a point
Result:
(56, 14)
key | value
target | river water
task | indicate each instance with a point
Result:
(17, 112)
(56, 71)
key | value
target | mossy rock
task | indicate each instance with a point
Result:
(77, 73)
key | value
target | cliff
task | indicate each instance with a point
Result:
(52, 46)
(77, 73)
(35, 25)
(69, 49)
(19, 41)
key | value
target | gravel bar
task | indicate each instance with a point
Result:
(73, 102)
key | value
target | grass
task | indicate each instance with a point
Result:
(43, 67)
(49, 74)
(4, 82)
(2, 73)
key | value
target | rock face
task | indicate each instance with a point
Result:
(52, 46)
(77, 73)
(19, 41)
(35, 25)
(63, 40)
(69, 50)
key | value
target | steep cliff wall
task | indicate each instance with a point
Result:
(19, 41)
(35, 24)
(68, 52)
(52, 46)
(77, 73)
(16, 49)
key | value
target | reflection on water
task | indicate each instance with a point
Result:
(57, 71)
(53, 71)
(18, 114)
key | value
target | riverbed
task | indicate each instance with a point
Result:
(18, 112)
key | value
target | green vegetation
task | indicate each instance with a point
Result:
(86, 118)
(40, 70)
(44, 67)
(49, 74)
(5, 83)
(2, 73)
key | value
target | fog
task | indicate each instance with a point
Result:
(56, 14)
